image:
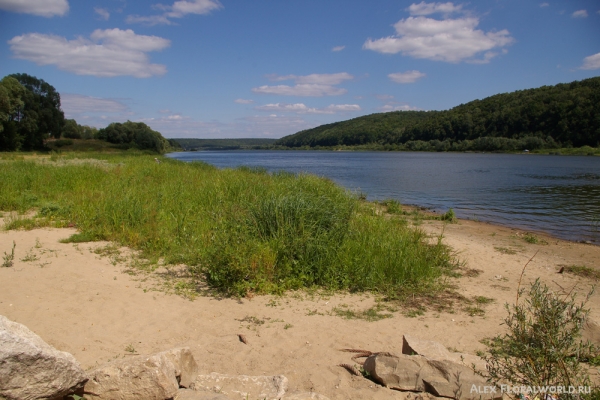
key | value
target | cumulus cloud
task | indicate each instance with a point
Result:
(406, 77)
(579, 14)
(591, 62)
(44, 8)
(315, 85)
(449, 40)
(301, 108)
(108, 53)
(102, 13)
(243, 101)
(544, 5)
(179, 9)
(313, 90)
(431, 8)
(338, 48)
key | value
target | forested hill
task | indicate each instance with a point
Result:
(550, 116)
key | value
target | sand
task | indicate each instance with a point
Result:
(87, 305)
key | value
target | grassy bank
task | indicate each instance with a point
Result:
(241, 230)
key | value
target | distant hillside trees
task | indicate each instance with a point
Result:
(33, 113)
(134, 134)
(551, 116)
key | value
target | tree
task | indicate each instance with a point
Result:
(41, 115)
(11, 100)
(134, 134)
(72, 130)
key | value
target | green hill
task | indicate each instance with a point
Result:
(222, 144)
(563, 115)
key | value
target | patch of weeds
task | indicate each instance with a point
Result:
(112, 252)
(38, 244)
(16, 223)
(543, 321)
(414, 312)
(505, 250)
(505, 288)
(533, 239)
(582, 271)
(81, 237)
(449, 216)
(371, 314)
(272, 303)
(393, 206)
(477, 309)
(313, 312)
(8, 259)
(472, 273)
(30, 257)
(252, 320)
(288, 326)
(130, 349)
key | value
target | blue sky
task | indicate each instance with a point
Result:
(269, 68)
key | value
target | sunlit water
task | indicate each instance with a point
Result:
(559, 195)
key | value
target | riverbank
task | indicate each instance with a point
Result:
(85, 299)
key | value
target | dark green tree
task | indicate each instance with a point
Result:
(40, 116)
(134, 134)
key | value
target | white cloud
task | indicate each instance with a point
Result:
(102, 13)
(338, 48)
(314, 90)
(315, 85)
(179, 9)
(544, 5)
(110, 52)
(591, 62)
(243, 101)
(406, 77)
(580, 14)
(450, 40)
(430, 8)
(44, 8)
(301, 108)
(320, 79)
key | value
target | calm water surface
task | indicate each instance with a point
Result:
(559, 195)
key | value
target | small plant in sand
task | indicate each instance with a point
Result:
(9, 258)
(543, 345)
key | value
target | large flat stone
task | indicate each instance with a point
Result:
(437, 351)
(32, 369)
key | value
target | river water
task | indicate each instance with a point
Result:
(559, 195)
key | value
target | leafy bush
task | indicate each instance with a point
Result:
(543, 345)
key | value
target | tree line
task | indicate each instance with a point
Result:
(31, 114)
(564, 115)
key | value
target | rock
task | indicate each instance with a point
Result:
(143, 377)
(417, 373)
(243, 386)
(188, 394)
(32, 369)
(306, 396)
(436, 351)
(186, 368)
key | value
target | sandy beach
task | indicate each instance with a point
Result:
(88, 305)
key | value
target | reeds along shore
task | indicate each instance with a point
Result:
(242, 230)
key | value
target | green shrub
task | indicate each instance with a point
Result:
(543, 345)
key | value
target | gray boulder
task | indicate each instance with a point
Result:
(243, 386)
(154, 377)
(32, 369)
(441, 378)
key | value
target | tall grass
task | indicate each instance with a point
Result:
(239, 229)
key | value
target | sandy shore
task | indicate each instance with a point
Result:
(87, 305)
